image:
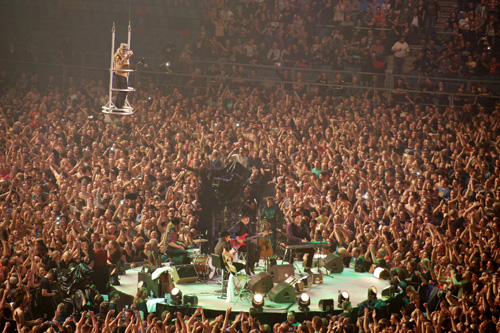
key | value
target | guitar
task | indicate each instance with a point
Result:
(228, 261)
(236, 245)
(266, 246)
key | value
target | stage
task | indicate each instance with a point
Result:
(209, 295)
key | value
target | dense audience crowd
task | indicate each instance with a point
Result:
(350, 37)
(392, 182)
(410, 186)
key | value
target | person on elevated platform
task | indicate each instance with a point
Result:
(121, 60)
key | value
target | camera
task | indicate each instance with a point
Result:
(141, 62)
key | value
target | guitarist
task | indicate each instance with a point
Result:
(251, 248)
(223, 249)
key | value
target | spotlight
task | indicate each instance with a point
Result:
(304, 302)
(176, 296)
(343, 296)
(372, 292)
(381, 273)
(258, 301)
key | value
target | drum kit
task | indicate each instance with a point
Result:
(202, 262)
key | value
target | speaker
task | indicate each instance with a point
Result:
(334, 263)
(298, 284)
(281, 272)
(326, 304)
(283, 292)
(317, 278)
(261, 283)
(184, 274)
(190, 300)
(307, 280)
(163, 284)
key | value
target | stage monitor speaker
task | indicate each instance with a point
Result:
(334, 263)
(261, 283)
(326, 304)
(184, 274)
(190, 300)
(317, 278)
(159, 287)
(281, 272)
(283, 292)
(307, 280)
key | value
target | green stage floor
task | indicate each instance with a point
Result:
(208, 292)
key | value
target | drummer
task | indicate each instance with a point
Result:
(170, 245)
(186, 238)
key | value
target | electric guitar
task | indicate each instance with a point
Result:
(236, 245)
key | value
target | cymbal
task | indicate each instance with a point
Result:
(200, 240)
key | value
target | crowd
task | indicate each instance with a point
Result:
(352, 36)
(408, 186)
(392, 182)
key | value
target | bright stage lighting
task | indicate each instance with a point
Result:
(176, 296)
(258, 301)
(343, 296)
(381, 273)
(304, 302)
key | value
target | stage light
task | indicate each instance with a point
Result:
(343, 296)
(176, 296)
(381, 273)
(372, 292)
(258, 301)
(304, 302)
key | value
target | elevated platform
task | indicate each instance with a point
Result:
(208, 293)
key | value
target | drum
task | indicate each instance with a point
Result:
(193, 253)
(200, 263)
(203, 266)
